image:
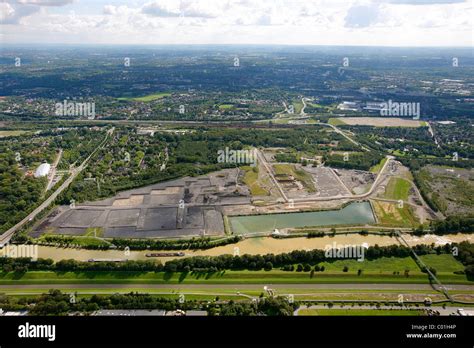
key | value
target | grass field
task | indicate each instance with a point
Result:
(94, 232)
(305, 179)
(314, 105)
(360, 312)
(147, 98)
(299, 174)
(397, 188)
(11, 133)
(251, 180)
(336, 122)
(444, 263)
(282, 169)
(383, 270)
(389, 214)
(375, 169)
(226, 106)
(87, 239)
(228, 277)
(298, 105)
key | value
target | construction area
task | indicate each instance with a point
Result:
(196, 207)
(185, 207)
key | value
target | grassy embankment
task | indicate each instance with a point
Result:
(383, 270)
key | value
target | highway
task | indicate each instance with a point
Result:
(52, 174)
(238, 287)
(430, 129)
(303, 100)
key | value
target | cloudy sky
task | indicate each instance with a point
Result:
(309, 22)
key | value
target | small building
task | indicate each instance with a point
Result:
(42, 170)
(374, 106)
(349, 106)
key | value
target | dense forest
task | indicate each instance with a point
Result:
(20, 191)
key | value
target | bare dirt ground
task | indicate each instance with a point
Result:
(133, 200)
(166, 191)
(357, 181)
(380, 121)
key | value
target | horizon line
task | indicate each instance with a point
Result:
(222, 44)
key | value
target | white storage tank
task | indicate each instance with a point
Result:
(42, 170)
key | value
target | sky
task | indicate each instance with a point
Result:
(286, 22)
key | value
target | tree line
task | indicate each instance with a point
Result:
(453, 224)
(56, 303)
(466, 257)
(212, 263)
(140, 244)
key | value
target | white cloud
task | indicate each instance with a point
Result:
(362, 16)
(12, 11)
(162, 9)
(12, 14)
(184, 8)
(6, 11)
(425, 2)
(44, 2)
(339, 22)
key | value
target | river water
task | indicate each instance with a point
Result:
(261, 245)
